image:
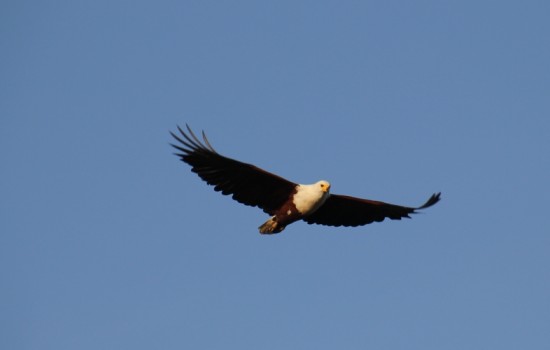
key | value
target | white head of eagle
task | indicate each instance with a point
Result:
(309, 198)
(284, 200)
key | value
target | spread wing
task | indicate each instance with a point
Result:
(341, 210)
(246, 183)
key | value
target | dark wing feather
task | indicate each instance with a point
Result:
(246, 183)
(341, 210)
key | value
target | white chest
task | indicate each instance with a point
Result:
(309, 198)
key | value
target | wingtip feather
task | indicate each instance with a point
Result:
(436, 197)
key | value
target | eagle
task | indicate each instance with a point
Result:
(285, 201)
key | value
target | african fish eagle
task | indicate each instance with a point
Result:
(284, 200)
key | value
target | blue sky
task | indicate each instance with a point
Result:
(108, 241)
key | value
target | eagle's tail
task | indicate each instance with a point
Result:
(271, 226)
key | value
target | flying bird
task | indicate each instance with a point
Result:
(285, 201)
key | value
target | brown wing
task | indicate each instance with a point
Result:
(341, 210)
(246, 183)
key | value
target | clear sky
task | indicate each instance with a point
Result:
(108, 241)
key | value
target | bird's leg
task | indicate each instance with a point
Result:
(270, 226)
